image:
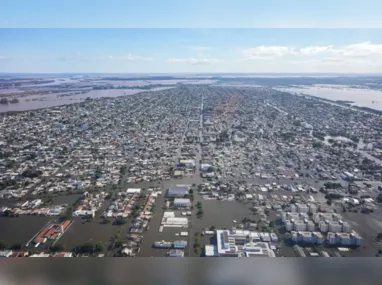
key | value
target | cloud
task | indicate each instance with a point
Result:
(314, 50)
(80, 57)
(125, 57)
(359, 53)
(194, 61)
(267, 51)
(3, 57)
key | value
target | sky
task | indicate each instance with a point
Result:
(169, 36)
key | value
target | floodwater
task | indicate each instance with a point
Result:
(52, 100)
(81, 232)
(361, 97)
(21, 229)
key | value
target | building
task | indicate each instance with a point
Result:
(312, 208)
(241, 243)
(335, 227)
(179, 202)
(298, 251)
(288, 226)
(286, 216)
(307, 237)
(6, 253)
(331, 217)
(302, 208)
(323, 226)
(310, 226)
(180, 244)
(210, 250)
(175, 253)
(345, 227)
(177, 191)
(162, 244)
(345, 239)
(299, 226)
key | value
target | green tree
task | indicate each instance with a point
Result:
(271, 224)
(16, 246)
(3, 244)
(57, 247)
(98, 247)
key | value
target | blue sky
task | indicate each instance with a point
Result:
(190, 13)
(191, 50)
(190, 36)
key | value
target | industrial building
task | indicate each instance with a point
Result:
(182, 202)
(178, 191)
(180, 244)
(175, 253)
(242, 244)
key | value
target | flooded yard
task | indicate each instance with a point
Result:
(93, 231)
(21, 229)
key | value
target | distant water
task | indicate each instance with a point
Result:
(361, 97)
(52, 100)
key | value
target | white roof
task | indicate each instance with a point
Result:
(133, 190)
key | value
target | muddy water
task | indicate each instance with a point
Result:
(21, 229)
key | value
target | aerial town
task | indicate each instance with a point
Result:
(187, 167)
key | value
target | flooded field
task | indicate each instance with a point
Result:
(54, 100)
(361, 97)
(81, 232)
(65, 199)
(21, 229)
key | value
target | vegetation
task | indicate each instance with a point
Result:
(16, 246)
(120, 221)
(3, 245)
(88, 247)
(332, 185)
(379, 198)
(57, 247)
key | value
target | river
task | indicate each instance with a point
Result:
(52, 100)
(360, 97)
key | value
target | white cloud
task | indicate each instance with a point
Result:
(194, 61)
(310, 50)
(359, 53)
(124, 57)
(267, 51)
(2, 57)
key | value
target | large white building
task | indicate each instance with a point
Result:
(345, 239)
(324, 226)
(312, 208)
(302, 208)
(286, 216)
(310, 226)
(331, 217)
(299, 226)
(179, 202)
(242, 243)
(307, 237)
(335, 227)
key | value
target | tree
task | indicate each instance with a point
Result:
(266, 212)
(212, 228)
(98, 247)
(379, 198)
(271, 224)
(16, 246)
(57, 247)
(3, 244)
(329, 202)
